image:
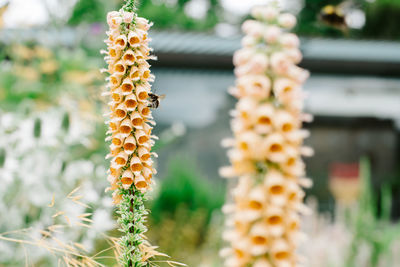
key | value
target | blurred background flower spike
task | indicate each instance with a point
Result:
(263, 223)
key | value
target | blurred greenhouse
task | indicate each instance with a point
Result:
(52, 130)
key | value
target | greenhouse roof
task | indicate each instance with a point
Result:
(320, 55)
(202, 50)
(337, 49)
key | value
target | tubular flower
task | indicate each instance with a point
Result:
(130, 126)
(265, 153)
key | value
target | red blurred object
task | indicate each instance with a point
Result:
(344, 182)
(345, 170)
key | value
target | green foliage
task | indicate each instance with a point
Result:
(368, 228)
(163, 15)
(185, 220)
(184, 185)
(187, 237)
(37, 128)
(2, 156)
(65, 122)
(382, 20)
(167, 16)
(89, 11)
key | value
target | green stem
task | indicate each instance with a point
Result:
(130, 5)
(132, 217)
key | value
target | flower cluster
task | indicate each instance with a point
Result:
(265, 153)
(28, 142)
(130, 126)
(131, 121)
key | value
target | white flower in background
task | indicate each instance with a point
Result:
(263, 222)
(37, 164)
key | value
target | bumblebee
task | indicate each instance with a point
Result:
(155, 100)
(333, 16)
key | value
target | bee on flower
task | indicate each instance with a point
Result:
(262, 227)
(130, 119)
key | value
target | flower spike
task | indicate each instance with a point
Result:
(131, 169)
(265, 151)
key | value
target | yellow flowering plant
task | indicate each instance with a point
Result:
(130, 126)
(262, 226)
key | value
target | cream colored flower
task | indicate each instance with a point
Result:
(134, 39)
(287, 20)
(129, 145)
(127, 179)
(281, 253)
(27, 73)
(274, 218)
(113, 34)
(275, 184)
(262, 262)
(280, 63)
(272, 34)
(253, 28)
(243, 188)
(259, 239)
(131, 102)
(127, 17)
(249, 41)
(293, 164)
(120, 110)
(240, 251)
(295, 55)
(114, 52)
(121, 159)
(275, 147)
(298, 74)
(23, 52)
(286, 90)
(130, 117)
(249, 143)
(242, 56)
(120, 42)
(258, 64)
(112, 14)
(285, 122)
(48, 66)
(143, 23)
(289, 40)
(257, 86)
(265, 114)
(141, 183)
(263, 223)
(245, 109)
(253, 208)
(265, 13)
(43, 52)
